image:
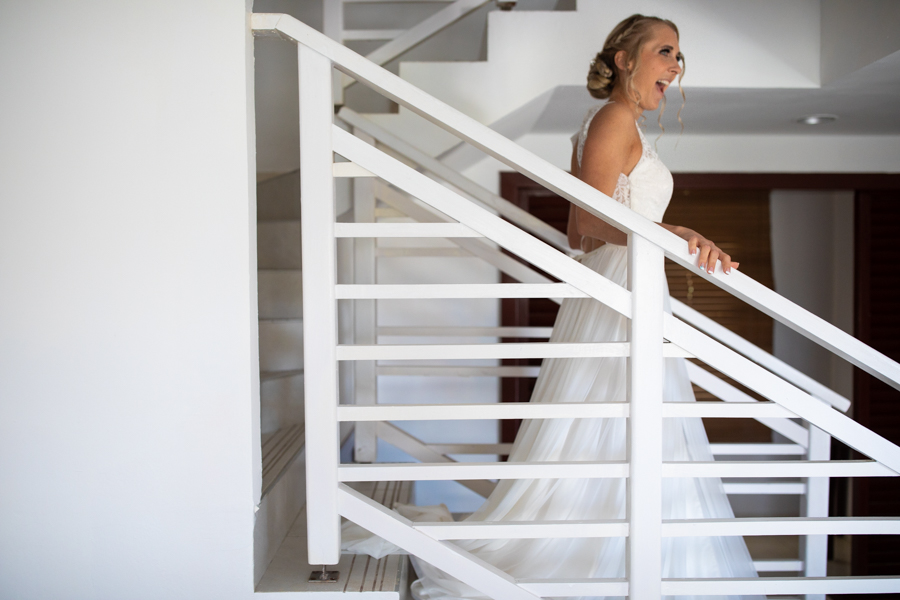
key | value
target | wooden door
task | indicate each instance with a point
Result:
(875, 404)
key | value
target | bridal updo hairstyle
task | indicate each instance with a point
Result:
(628, 36)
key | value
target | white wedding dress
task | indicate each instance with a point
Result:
(646, 190)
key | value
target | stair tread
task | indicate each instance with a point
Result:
(279, 450)
(384, 578)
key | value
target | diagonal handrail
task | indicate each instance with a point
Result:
(520, 217)
(549, 234)
(422, 212)
(406, 40)
(424, 30)
(758, 355)
(559, 265)
(582, 194)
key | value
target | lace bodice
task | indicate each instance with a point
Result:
(648, 188)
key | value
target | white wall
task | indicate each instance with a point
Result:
(128, 365)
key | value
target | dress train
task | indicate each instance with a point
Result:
(549, 440)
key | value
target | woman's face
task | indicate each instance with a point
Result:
(659, 66)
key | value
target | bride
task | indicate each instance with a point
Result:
(639, 60)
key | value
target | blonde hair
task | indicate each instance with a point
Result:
(629, 36)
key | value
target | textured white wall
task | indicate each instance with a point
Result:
(128, 364)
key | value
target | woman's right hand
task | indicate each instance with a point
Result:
(709, 252)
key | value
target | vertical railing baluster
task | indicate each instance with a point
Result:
(333, 27)
(814, 548)
(365, 443)
(319, 307)
(645, 386)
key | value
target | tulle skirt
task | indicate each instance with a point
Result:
(595, 380)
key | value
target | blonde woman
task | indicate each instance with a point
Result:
(639, 61)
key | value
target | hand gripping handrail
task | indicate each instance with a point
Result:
(582, 194)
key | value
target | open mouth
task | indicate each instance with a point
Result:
(661, 85)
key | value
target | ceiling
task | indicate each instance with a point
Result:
(867, 102)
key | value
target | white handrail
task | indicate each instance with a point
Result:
(523, 218)
(557, 239)
(582, 194)
(478, 247)
(727, 392)
(458, 563)
(758, 355)
(754, 526)
(421, 291)
(697, 343)
(422, 31)
(782, 470)
(707, 380)
(698, 376)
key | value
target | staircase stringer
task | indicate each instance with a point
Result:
(451, 559)
(419, 450)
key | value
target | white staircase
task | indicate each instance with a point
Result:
(280, 302)
(359, 576)
(281, 365)
(535, 56)
(441, 212)
(280, 535)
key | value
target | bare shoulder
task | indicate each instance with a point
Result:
(612, 147)
(613, 124)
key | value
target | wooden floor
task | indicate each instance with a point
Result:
(360, 575)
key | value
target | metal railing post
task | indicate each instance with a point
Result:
(333, 27)
(814, 548)
(320, 334)
(644, 449)
(365, 441)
